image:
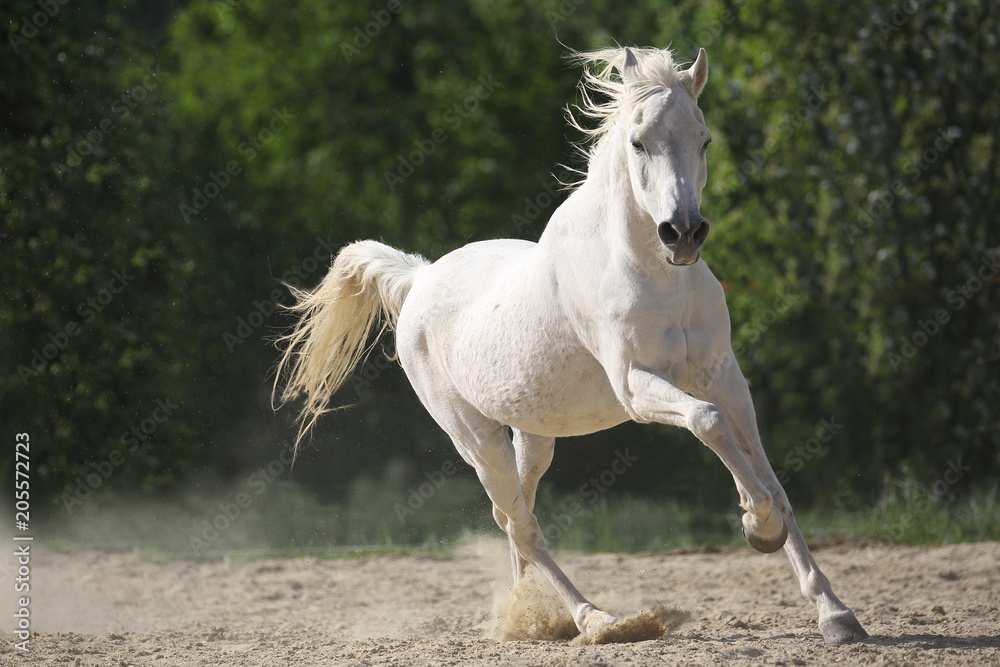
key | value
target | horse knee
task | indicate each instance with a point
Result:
(707, 422)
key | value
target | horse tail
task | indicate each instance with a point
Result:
(368, 281)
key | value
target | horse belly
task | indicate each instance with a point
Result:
(543, 390)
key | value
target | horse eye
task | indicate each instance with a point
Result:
(637, 145)
(705, 147)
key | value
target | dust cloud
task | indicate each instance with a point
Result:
(531, 610)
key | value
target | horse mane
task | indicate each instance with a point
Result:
(655, 70)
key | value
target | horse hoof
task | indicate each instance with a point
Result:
(842, 628)
(596, 621)
(767, 536)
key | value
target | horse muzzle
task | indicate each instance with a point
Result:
(683, 241)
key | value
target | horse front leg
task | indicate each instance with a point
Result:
(727, 389)
(651, 398)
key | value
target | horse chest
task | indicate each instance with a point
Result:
(673, 343)
(680, 352)
(677, 329)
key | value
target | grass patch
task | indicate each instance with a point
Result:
(632, 524)
(908, 511)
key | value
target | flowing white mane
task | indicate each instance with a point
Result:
(655, 70)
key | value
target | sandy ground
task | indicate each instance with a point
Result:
(934, 606)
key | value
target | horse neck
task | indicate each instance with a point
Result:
(604, 210)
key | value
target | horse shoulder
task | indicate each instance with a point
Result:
(710, 326)
(710, 297)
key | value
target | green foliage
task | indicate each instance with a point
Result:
(95, 278)
(865, 181)
(853, 181)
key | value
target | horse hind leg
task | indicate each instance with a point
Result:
(533, 454)
(490, 450)
(518, 565)
(488, 447)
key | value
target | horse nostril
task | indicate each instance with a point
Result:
(701, 232)
(667, 233)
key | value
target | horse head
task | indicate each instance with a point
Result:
(665, 140)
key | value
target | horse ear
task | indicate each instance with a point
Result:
(697, 75)
(628, 68)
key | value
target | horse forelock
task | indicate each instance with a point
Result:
(656, 71)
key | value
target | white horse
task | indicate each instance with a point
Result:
(611, 316)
